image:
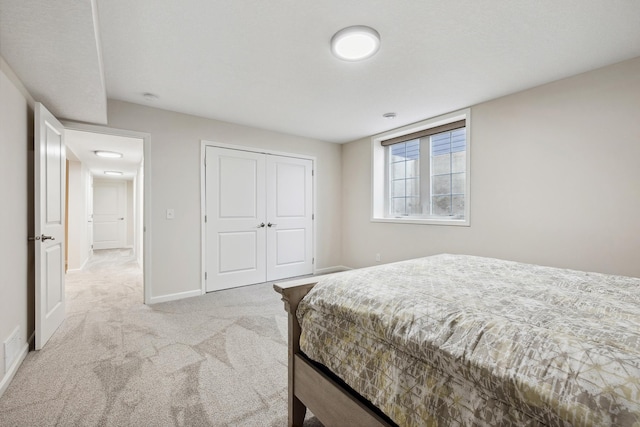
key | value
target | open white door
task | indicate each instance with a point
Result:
(49, 206)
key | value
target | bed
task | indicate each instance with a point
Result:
(464, 340)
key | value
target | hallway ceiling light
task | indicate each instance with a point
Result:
(114, 173)
(109, 154)
(355, 43)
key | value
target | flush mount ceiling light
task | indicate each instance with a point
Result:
(355, 43)
(109, 154)
(389, 115)
(114, 173)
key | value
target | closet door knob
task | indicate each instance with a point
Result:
(271, 225)
(261, 225)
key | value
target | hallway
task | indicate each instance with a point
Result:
(215, 360)
(112, 278)
(55, 386)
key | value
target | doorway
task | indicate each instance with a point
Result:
(107, 196)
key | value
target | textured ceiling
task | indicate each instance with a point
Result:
(268, 64)
(54, 47)
(84, 144)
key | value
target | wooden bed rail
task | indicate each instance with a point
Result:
(308, 386)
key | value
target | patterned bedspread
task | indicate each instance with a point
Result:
(461, 340)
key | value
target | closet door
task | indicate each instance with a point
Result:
(289, 217)
(236, 222)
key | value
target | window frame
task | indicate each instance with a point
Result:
(380, 165)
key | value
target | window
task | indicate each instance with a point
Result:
(448, 173)
(421, 172)
(404, 178)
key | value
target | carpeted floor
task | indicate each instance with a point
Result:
(215, 360)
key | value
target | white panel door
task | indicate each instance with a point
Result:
(49, 183)
(109, 214)
(235, 224)
(289, 217)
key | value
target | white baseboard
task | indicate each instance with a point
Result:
(173, 297)
(198, 292)
(8, 376)
(334, 269)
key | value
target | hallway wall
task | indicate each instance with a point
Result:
(78, 243)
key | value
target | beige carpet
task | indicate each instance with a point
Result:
(215, 360)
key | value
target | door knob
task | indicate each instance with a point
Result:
(120, 219)
(43, 238)
(271, 225)
(261, 225)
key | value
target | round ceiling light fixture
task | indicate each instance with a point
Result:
(108, 154)
(355, 43)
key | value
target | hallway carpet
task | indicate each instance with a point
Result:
(215, 360)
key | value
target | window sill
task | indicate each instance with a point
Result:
(424, 221)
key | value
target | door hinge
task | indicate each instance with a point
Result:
(313, 172)
(205, 275)
(313, 216)
(313, 260)
(205, 218)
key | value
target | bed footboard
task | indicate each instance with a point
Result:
(308, 386)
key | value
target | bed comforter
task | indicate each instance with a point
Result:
(461, 340)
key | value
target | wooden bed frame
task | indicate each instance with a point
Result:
(310, 387)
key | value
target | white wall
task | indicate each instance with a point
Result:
(173, 168)
(16, 216)
(555, 180)
(78, 244)
(139, 214)
(130, 216)
(89, 212)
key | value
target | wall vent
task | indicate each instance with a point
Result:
(11, 349)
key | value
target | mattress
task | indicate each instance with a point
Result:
(462, 340)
